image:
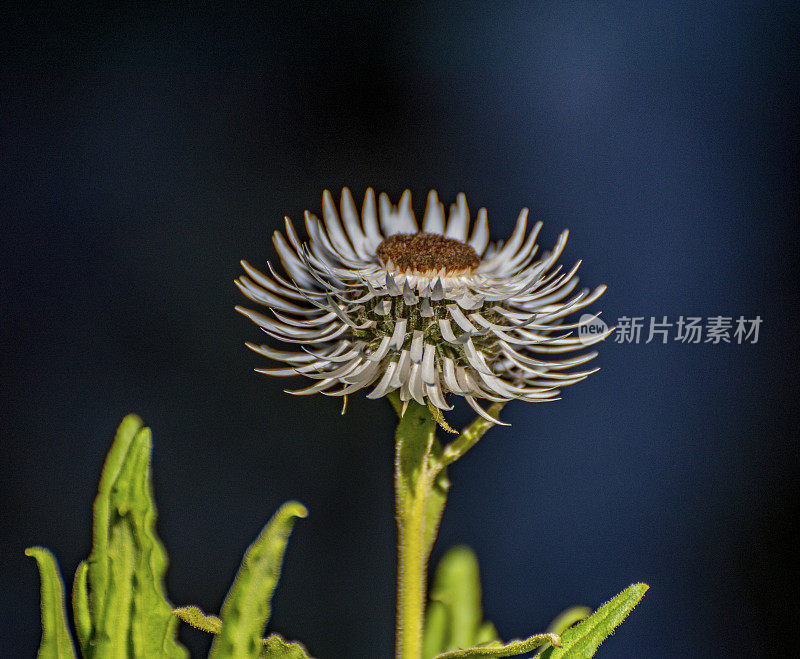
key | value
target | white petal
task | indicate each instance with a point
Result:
(352, 224)
(416, 386)
(481, 412)
(428, 372)
(409, 297)
(334, 227)
(384, 386)
(510, 248)
(383, 307)
(480, 233)
(436, 396)
(281, 355)
(416, 347)
(446, 330)
(399, 334)
(449, 376)
(381, 350)
(434, 215)
(405, 214)
(425, 309)
(291, 262)
(369, 217)
(458, 223)
(403, 370)
(461, 319)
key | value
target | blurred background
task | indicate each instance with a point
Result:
(144, 153)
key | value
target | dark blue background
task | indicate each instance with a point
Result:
(145, 153)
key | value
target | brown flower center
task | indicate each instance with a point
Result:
(427, 252)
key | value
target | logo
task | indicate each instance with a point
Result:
(590, 327)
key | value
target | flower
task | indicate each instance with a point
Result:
(373, 300)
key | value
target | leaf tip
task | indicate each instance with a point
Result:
(132, 419)
(36, 550)
(294, 509)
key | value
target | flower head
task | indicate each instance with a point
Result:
(374, 301)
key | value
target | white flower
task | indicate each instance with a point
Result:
(373, 300)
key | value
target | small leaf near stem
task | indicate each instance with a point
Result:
(247, 607)
(436, 413)
(194, 616)
(56, 640)
(272, 647)
(454, 618)
(564, 620)
(499, 650)
(81, 608)
(584, 639)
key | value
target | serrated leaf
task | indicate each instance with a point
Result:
(80, 607)
(130, 613)
(112, 628)
(582, 641)
(246, 609)
(153, 625)
(194, 616)
(497, 649)
(98, 561)
(275, 647)
(56, 640)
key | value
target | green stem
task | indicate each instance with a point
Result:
(469, 436)
(421, 490)
(415, 476)
(412, 573)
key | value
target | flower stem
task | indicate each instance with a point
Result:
(420, 489)
(412, 577)
(421, 486)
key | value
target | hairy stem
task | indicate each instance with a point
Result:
(421, 486)
(420, 494)
(412, 573)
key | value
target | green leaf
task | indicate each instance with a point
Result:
(486, 634)
(457, 585)
(194, 616)
(153, 625)
(454, 618)
(584, 639)
(80, 607)
(435, 636)
(112, 629)
(130, 613)
(274, 647)
(56, 641)
(246, 609)
(98, 560)
(496, 649)
(567, 618)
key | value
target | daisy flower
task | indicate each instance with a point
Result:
(373, 300)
